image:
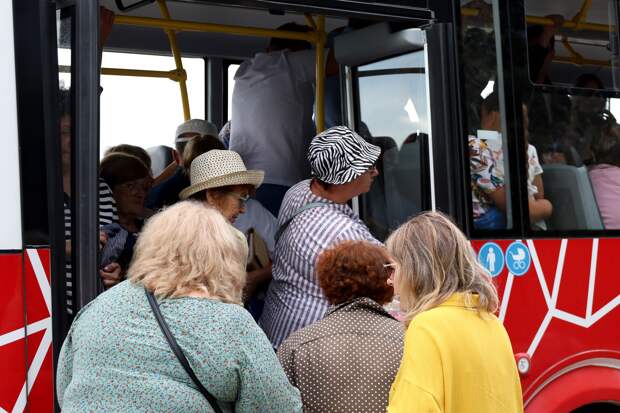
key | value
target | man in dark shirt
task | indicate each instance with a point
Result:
(167, 192)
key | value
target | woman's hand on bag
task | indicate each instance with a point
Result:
(111, 274)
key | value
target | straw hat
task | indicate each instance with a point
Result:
(218, 168)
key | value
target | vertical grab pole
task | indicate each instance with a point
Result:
(172, 38)
(320, 74)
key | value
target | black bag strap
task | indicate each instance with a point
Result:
(301, 209)
(178, 352)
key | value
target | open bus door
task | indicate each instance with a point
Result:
(402, 95)
(34, 314)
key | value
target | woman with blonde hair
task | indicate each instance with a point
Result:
(185, 280)
(457, 355)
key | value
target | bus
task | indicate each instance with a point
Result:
(414, 75)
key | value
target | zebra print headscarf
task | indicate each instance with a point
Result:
(339, 155)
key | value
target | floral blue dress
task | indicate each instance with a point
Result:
(116, 359)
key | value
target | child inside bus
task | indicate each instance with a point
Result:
(488, 170)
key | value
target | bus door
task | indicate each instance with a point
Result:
(400, 95)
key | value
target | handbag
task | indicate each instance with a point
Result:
(178, 352)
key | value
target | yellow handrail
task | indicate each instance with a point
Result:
(316, 36)
(172, 38)
(172, 74)
(181, 25)
(568, 24)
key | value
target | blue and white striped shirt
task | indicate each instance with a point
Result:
(294, 299)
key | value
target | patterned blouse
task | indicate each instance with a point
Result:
(116, 359)
(347, 361)
(485, 176)
(294, 299)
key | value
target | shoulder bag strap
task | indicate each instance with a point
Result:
(178, 352)
(286, 223)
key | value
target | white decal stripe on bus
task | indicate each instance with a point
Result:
(10, 215)
(506, 296)
(33, 370)
(558, 273)
(539, 272)
(39, 272)
(552, 310)
(592, 280)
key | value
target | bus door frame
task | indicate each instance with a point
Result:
(448, 184)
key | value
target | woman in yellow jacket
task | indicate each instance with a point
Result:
(457, 355)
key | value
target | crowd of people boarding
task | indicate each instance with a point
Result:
(259, 289)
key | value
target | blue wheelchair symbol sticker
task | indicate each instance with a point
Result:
(491, 257)
(518, 259)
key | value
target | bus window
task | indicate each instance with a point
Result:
(231, 70)
(568, 89)
(64, 22)
(565, 41)
(132, 117)
(393, 114)
(485, 117)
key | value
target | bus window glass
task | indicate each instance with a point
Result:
(485, 117)
(230, 85)
(393, 114)
(64, 37)
(145, 111)
(571, 38)
(572, 136)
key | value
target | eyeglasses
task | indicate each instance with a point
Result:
(243, 199)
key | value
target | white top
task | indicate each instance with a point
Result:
(258, 217)
(272, 106)
(533, 169)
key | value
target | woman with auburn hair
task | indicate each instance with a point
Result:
(457, 355)
(188, 268)
(347, 361)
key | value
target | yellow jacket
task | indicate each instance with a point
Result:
(456, 361)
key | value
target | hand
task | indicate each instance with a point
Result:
(110, 275)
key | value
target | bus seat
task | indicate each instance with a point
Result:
(161, 157)
(570, 191)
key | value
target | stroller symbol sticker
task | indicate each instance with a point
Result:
(518, 258)
(491, 257)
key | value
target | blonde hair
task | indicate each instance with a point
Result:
(187, 248)
(435, 260)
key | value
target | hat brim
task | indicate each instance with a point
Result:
(254, 178)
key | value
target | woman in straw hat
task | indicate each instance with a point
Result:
(117, 358)
(219, 179)
(457, 355)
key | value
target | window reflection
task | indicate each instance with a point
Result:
(393, 114)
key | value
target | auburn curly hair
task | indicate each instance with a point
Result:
(354, 269)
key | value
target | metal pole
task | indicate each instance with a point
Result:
(85, 152)
(172, 38)
(320, 74)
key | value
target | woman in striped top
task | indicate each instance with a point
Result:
(315, 215)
